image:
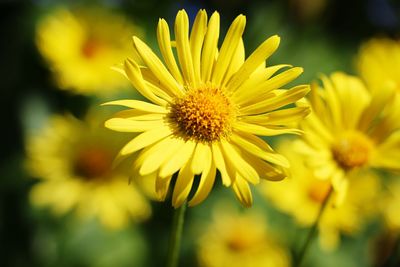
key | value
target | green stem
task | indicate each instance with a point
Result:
(176, 236)
(312, 231)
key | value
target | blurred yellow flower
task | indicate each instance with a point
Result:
(73, 160)
(350, 129)
(301, 195)
(378, 63)
(82, 46)
(240, 240)
(206, 113)
(390, 206)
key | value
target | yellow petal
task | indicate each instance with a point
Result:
(162, 186)
(256, 146)
(265, 50)
(183, 47)
(261, 90)
(164, 42)
(127, 125)
(242, 166)
(157, 154)
(242, 191)
(263, 130)
(157, 67)
(136, 104)
(284, 97)
(145, 139)
(220, 164)
(173, 164)
(201, 152)
(183, 185)
(258, 77)
(210, 47)
(134, 74)
(197, 35)
(228, 49)
(206, 183)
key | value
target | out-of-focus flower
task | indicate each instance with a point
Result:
(390, 205)
(378, 63)
(302, 194)
(243, 240)
(207, 113)
(82, 45)
(73, 160)
(349, 130)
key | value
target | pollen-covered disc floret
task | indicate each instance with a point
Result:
(203, 115)
(209, 106)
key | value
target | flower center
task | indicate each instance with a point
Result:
(204, 114)
(90, 48)
(93, 162)
(319, 190)
(352, 150)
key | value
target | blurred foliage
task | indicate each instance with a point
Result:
(321, 38)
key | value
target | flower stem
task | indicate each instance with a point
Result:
(312, 231)
(176, 235)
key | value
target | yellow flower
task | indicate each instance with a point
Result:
(350, 129)
(302, 194)
(207, 111)
(82, 46)
(73, 160)
(390, 206)
(243, 240)
(378, 63)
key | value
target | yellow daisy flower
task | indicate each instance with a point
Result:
(82, 45)
(243, 240)
(302, 194)
(378, 63)
(350, 129)
(207, 111)
(73, 160)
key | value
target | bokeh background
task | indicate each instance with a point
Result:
(320, 35)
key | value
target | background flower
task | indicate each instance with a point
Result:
(73, 160)
(350, 129)
(302, 194)
(240, 239)
(82, 44)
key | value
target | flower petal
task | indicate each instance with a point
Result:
(145, 139)
(157, 67)
(210, 47)
(228, 49)
(136, 104)
(127, 125)
(265, 50)
(183, 185)
(164, 42)
(173, 164)
(242, 191)
(197, 35)
(183, 47)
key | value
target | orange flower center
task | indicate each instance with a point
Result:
(90, 48)
(352, 150)
(319, 190)
(93, 162)
(204, 114)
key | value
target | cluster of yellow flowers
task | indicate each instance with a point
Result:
(207, 111)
